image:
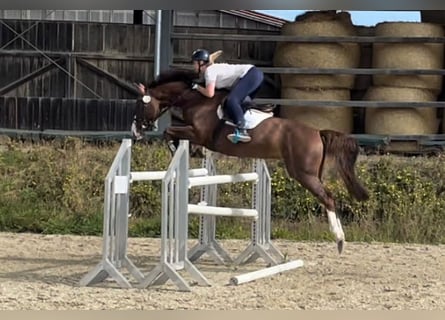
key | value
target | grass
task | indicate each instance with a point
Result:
(57, 187)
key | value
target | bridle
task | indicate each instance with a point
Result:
(150, 123)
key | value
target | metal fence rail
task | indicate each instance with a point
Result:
(437, 140)
(283, 38)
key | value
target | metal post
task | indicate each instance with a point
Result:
(261, 246)
(163, 55)
(207, 224)
(158, 35)
(115, 228)
(175, 226)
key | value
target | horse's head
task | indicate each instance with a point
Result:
(147, 110)
(162, 93)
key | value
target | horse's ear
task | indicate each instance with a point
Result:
(215, 55)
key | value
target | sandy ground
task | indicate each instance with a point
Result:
(39, 272)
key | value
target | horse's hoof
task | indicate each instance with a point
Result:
(197, 154)
(340, 244)
(171, 147)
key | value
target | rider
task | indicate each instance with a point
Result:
(243, 80)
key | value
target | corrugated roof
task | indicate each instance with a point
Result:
(257, 16)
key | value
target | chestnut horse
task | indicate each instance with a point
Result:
(303, 149)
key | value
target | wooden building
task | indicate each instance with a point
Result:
(73, 68)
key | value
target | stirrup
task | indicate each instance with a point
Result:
(238, 137)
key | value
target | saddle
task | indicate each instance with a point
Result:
(248, 104)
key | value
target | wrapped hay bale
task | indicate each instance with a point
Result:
(334, 118)
(400, 121)
(409, 55)
(318, 55)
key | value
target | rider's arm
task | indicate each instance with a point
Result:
(208, 90)
(210, 76)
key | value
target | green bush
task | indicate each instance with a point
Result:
(52, 188)
(57, 187)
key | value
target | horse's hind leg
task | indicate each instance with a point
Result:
(314, 185)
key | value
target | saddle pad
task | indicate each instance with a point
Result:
(253, 117)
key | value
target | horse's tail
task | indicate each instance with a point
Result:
(344, 150)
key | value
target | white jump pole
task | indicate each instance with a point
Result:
(222, 211)
(266, 272)
(159, 175)
(224, 178)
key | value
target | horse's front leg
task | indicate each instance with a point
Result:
(174, 134)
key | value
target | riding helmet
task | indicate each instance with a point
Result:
(200, 55)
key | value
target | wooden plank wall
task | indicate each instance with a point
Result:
(87, 100)
(123, 50)
(260, 53)
(43, 113)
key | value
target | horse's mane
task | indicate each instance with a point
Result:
(173, 75)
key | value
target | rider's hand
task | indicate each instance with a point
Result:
(141, 88)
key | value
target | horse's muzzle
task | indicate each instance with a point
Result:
(138, 132)
(135, 132)
(149, 126)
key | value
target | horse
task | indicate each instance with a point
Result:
(303, 149)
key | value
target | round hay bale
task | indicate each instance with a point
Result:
(320, 23)
(334, 118)
(408, 29)
(315, 55)
(409, 55)
(400, 121)
(318, 55)
(319, 15)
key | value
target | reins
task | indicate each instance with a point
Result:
(172, 104)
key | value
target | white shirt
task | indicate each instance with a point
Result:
(224, 75)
